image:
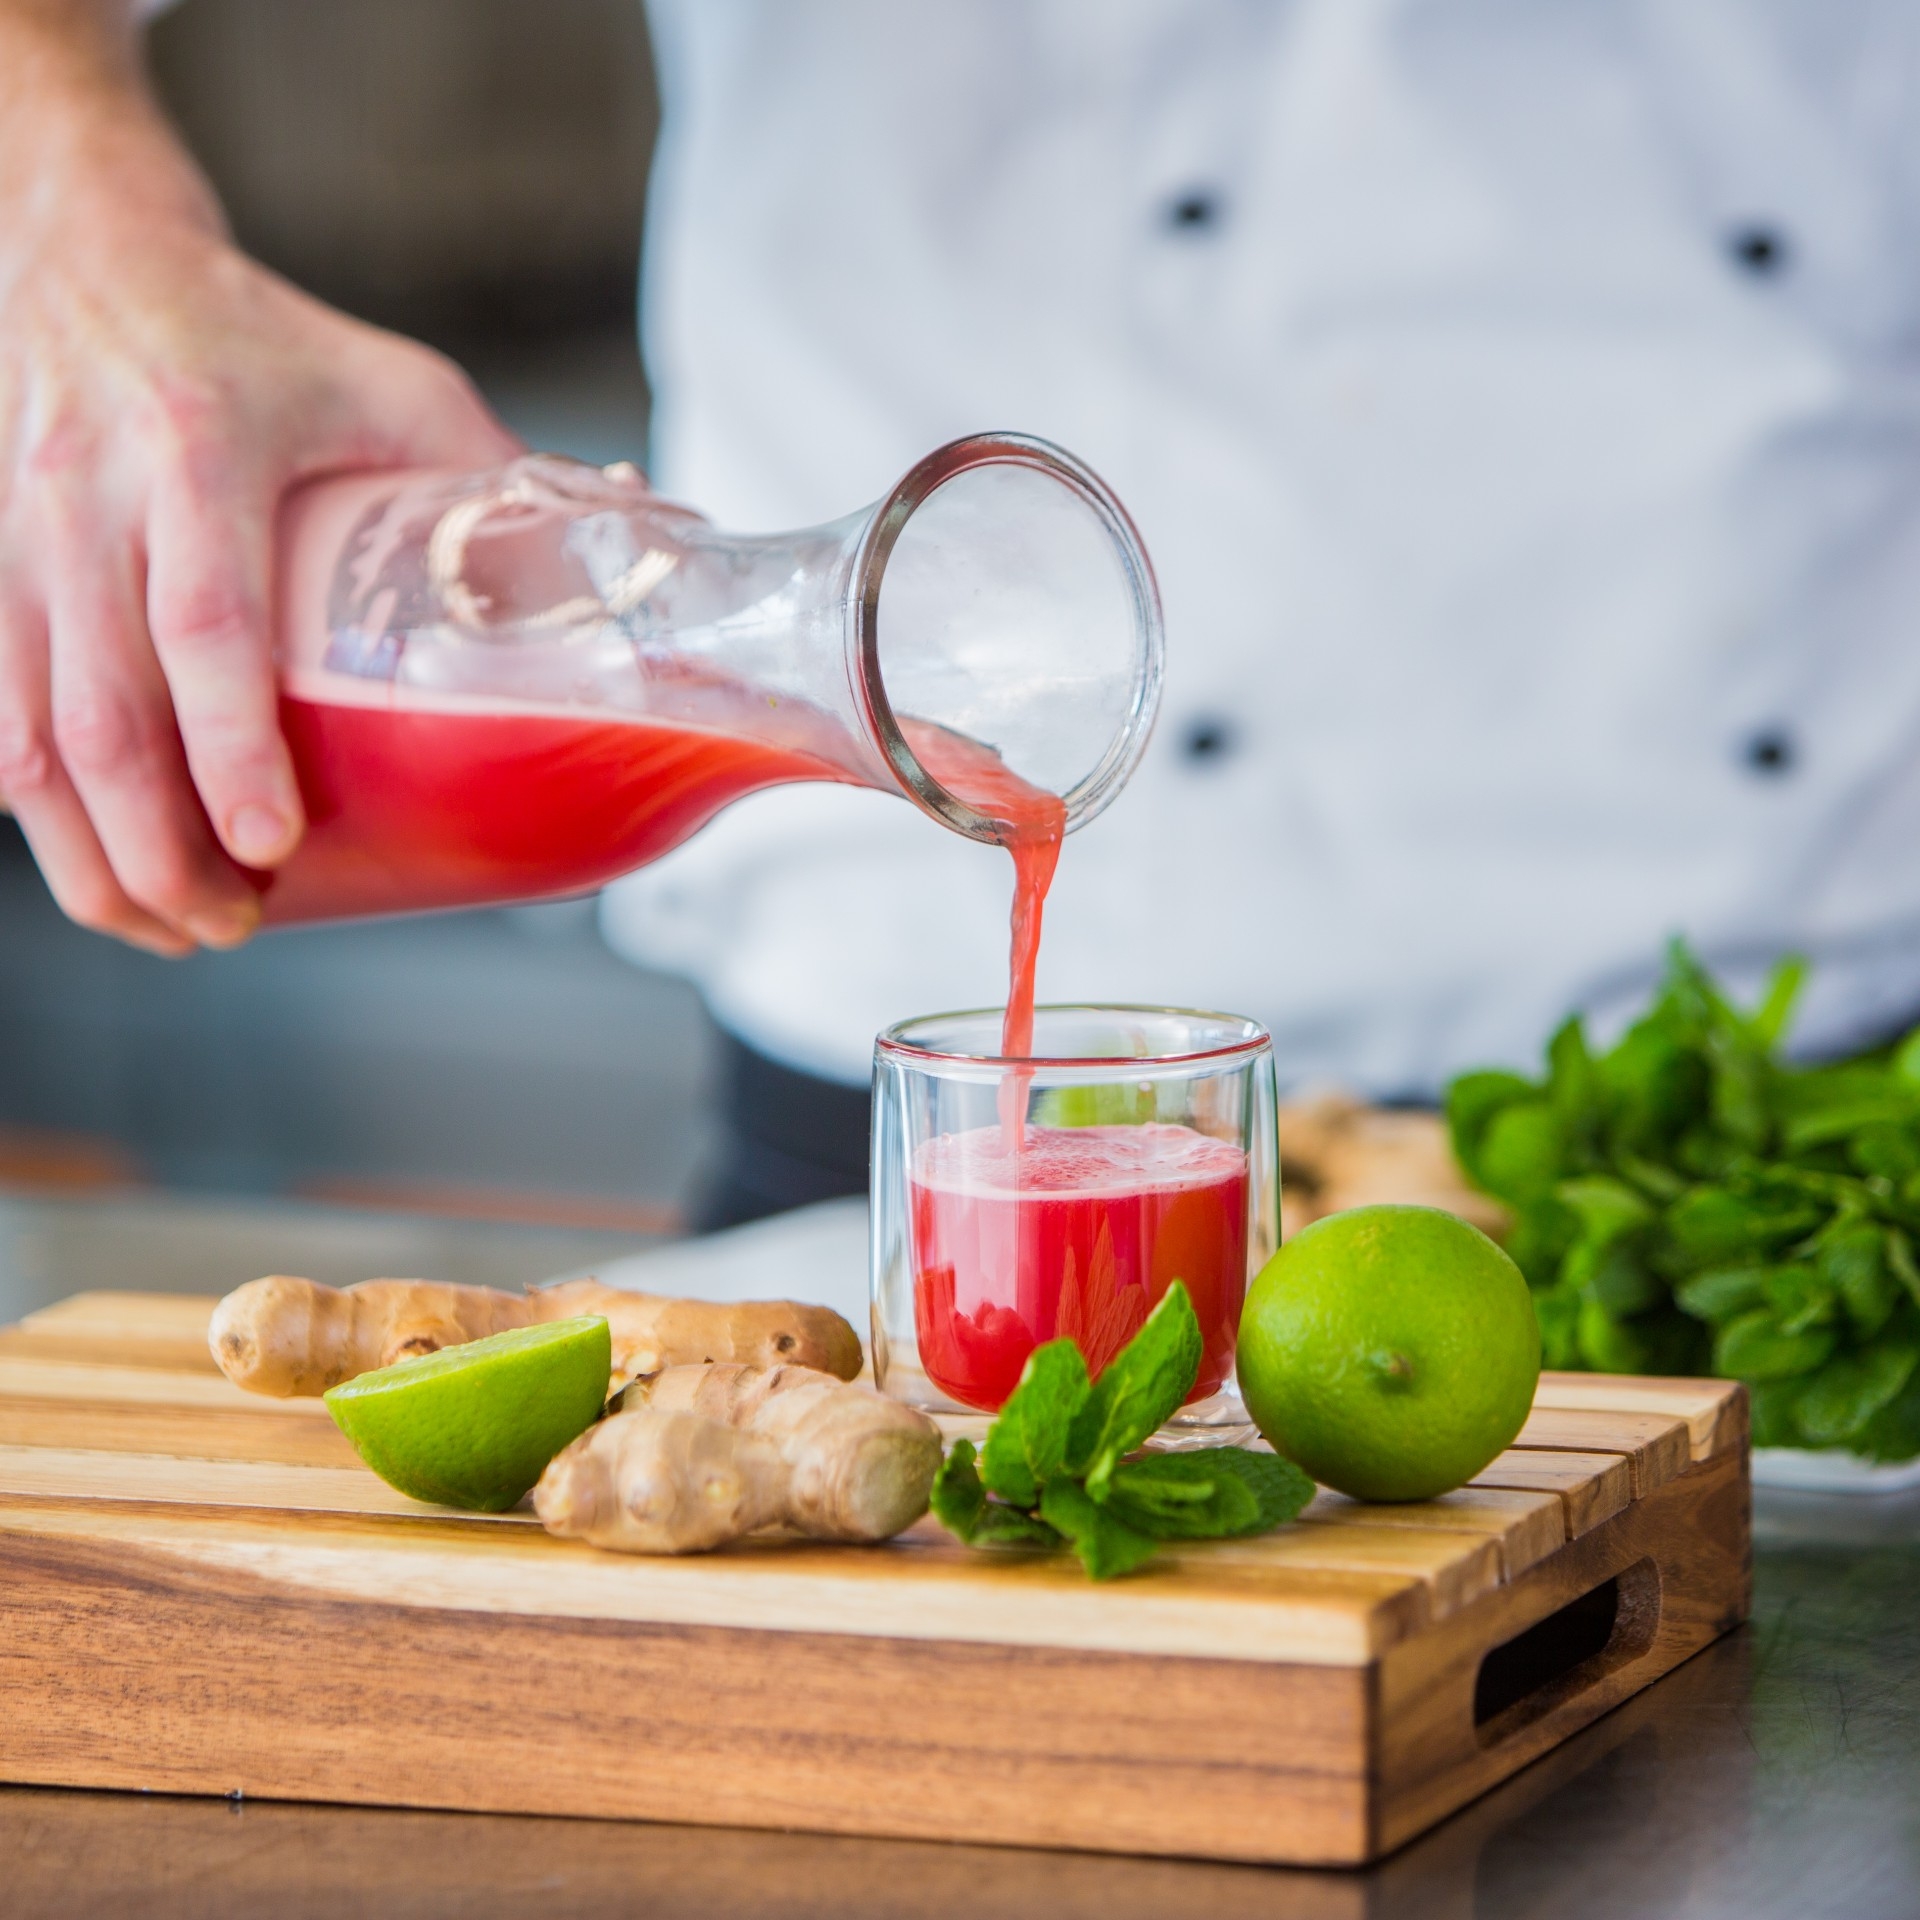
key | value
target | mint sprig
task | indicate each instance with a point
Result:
(1054, 1468)
(1688, 1200)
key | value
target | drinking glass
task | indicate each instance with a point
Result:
(1061, 1194)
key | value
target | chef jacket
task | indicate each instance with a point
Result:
(1520, 401)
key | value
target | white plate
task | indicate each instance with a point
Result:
(1835, 1471)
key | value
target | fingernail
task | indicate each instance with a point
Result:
(258, 835)
(225, 926)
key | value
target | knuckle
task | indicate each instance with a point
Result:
(64, 451)
(27, 762)
(101, 731)
(186, 419)
(209, 615)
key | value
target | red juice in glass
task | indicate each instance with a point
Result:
(1070, 1231)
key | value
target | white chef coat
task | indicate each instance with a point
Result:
(1520, 401)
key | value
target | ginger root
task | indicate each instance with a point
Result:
(288, 1336)
(703, 1455)
(651, 1331)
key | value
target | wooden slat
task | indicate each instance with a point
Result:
(143, 1386)
(187, 1433)
(1656, 1446)
(1715, 1410)
(52, 1343)
(1454, 1568)
(267, 1485)
(1526, 1527)
(1591, 1487)
(166, 1330)
(128, 1316)
(925, 1586)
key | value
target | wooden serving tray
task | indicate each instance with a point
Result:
(202, 1591)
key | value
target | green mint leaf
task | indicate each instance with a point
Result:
(961, 1505)
(1850, 1389)
(1211, 1493)
(1771, 1409)
(958, 1499)
(1573, 1083)
(1147, 1383)
(1002, 1526)
(1656, 1087)
(1900, 1259)
(1853, 1262)
(1887, 1148)
(1722, 1292)
(1799, 1298)
(1617, 1277)
(1558, 1311)
(1607, 1209)
(1107, 1546)
(1028, 1440)
(1181, 1496)
(1712, 1226)
(1894, 1432)
(1523, 1152)
(1472, 1102)
(1771, 1018)
(1752, 1348)
(1280, 1489)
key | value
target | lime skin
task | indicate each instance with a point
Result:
(1389, 1351)
(475, 1425)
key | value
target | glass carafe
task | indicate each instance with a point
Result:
(521, 684)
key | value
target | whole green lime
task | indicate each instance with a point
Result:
(1390, 1351)
(475, 1425)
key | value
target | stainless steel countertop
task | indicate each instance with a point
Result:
(1777, 1774)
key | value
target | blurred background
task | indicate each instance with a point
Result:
(495, 1086)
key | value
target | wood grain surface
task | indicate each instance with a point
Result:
(202, 1591)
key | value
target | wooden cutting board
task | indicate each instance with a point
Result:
(202, 1591)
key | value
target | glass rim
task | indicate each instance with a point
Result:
(1096, 789)
(894, 1042)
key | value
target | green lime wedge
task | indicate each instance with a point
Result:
(475, 1425)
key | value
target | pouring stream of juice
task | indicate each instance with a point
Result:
(1035, 822)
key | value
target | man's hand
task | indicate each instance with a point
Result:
(159, 393)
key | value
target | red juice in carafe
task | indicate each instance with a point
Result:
(411, 807)
(1071, 1232)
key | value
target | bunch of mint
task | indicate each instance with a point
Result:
(1687, 1200)
(1054, 1468)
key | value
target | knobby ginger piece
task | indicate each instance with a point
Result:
(286, 1336)
(651, 1331)
(706, 1454)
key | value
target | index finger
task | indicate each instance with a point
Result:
(209, 561)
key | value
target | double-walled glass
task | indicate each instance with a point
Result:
(1019, 1201)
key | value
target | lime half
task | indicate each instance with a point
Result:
(475, 1425)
